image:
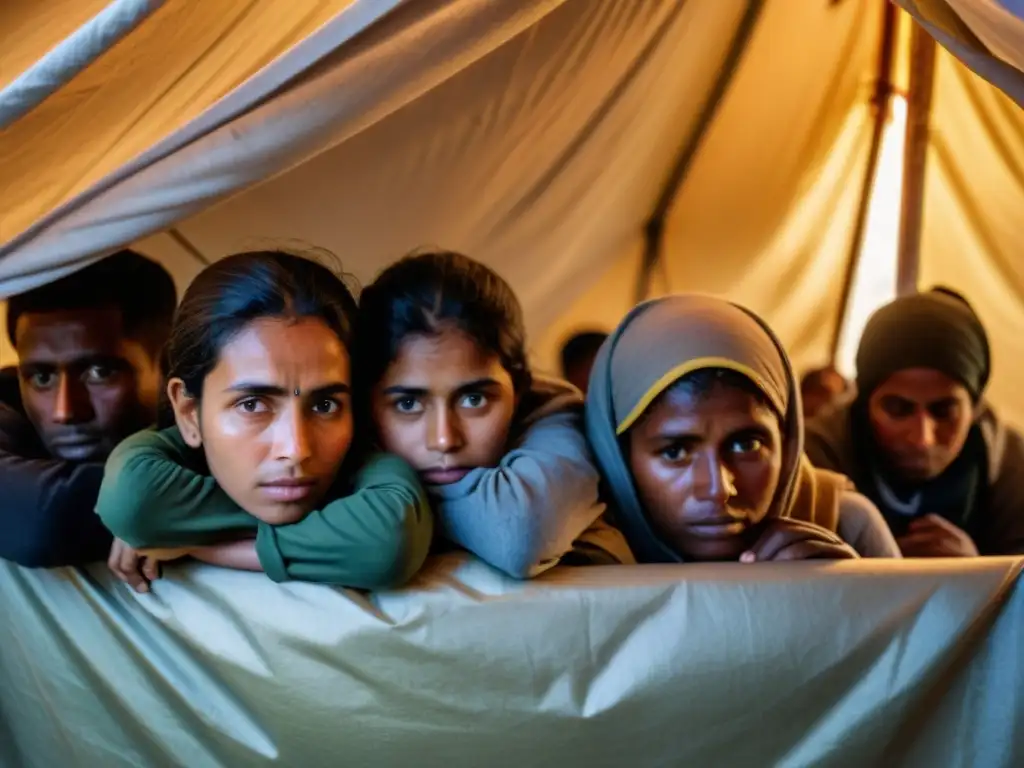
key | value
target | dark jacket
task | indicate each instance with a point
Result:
(46, 505)
(991, 509)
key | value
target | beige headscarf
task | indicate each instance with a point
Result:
(658, 343)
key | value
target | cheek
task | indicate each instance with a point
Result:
(663, 490)
(403, 436)
(756, 483)
(333, 440)
(487, 436)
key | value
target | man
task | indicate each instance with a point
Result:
(820, 388)
(88, 376)
(918, 438)
(578, 355)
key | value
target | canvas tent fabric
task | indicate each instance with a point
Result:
(857, 663)
(537, 136)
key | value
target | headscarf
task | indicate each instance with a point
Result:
(658, 343)
(937, 330)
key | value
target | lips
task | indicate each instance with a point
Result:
(444, 476)
(717, 528)
(77, 448)
(289, 491)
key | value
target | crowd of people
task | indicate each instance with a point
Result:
(272, 422)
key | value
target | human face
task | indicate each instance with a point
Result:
(84, 385)
(706, 468)
(920, 419)
(274, 452)
(445, 406)
(821, 392)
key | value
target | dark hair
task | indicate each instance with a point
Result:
(423, 293)
(580, 347)
(700, 383)
(232, 292)
(816, 377)
(142, 289)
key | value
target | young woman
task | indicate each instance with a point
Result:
(502, 452)
(260, 472)
(695, 419)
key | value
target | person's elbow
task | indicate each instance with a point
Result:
(36, 547)
(401, 555)
(121, 506)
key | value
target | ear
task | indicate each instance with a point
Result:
(186, 412)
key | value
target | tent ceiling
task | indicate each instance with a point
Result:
(536, 135)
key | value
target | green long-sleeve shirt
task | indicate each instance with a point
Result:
(156, 492)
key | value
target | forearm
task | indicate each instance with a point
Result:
(239, 555)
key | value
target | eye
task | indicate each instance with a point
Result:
(327, 407)
(944, 411)
(252, 405)
(747, 444)
(473, 400)
(408, 404)
(98, 374)
(42, 379)
(675, 453)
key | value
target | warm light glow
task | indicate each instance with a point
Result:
(874, 282)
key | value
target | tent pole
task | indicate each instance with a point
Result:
(655, 228)
(919, 106)
(185, 244)
(880, 101)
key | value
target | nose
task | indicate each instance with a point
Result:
(444, 432)
(922, 432)
(71, 404)
(292, 438)
(713, 480)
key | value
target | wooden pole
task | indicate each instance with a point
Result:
(880, 101)
(919, 106)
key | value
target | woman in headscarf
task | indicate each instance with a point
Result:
(694, 416)
(920, 440)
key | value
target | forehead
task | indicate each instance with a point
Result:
(679, 408)
(295, 351)
(65, 335)
(921, 385)
(442, 361)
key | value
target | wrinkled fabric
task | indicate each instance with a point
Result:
(854, 663)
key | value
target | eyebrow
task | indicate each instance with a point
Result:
(484, 383)
(260, 389)
(89, 358)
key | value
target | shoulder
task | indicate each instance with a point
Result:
(828, 436)
(863, 527)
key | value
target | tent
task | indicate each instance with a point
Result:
(591, 152)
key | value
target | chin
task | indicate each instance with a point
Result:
(724, 551)
(280, 514)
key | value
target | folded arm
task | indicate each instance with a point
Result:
(46, 505)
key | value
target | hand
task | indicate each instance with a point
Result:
(784, 538)
(132, 567)
(934, 536)
(167, 554)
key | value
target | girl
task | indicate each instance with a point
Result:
(257, 473)
(502, 452)
(694, 415)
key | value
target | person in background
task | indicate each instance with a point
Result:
(820, 388)
(88, 376)
(502, 452)
(919, 438)
(263, 470)
(578, 355)
(694, 416)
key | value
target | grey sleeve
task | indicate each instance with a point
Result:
(862, 526)
(524, 515)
